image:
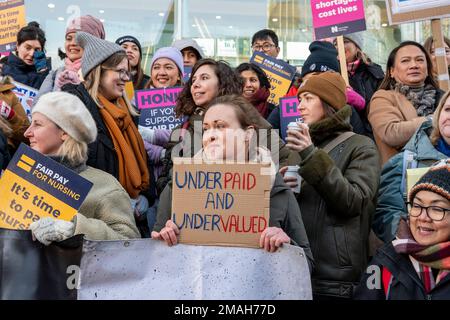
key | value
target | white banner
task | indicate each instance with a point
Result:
(149, 269)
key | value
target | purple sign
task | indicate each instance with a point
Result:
(288, 113)
(158, 107)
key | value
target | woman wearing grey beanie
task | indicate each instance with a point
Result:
(61, 128)
(118, 149)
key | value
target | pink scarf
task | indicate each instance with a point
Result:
(72, 65)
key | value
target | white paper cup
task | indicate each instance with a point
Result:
(292, 171)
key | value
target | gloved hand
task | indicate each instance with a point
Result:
(47, 230)
(40, 61)
(147, 134)
(65, 77)
(6, 111)
(140, 206)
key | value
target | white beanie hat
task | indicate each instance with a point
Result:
(69, 113)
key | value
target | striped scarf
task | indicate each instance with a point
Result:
(423, 258)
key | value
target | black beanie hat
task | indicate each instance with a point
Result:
(323, 58)
(132, 39)
(436, 180)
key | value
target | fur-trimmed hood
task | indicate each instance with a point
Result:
(6, 83)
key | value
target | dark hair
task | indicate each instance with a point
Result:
(388, 81)
(264, 82)
(229, 83)
(197, 54)
(264, 34)
(246, 113)
(31, 32)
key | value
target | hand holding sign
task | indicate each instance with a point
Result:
(47, 230)
(272, 238)
(169, 233)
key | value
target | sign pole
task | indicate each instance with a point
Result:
(342, 60)
(439, 52)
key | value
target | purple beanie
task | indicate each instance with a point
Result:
(87, 24)
(170, 53)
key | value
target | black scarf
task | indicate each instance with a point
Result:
(423, 98)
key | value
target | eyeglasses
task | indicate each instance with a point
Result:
(264, 47)
(122, 73)
(435, 213)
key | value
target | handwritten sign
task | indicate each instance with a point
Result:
(26, 96)
(333, 18)
(279, 73)
(34, 186)
(288, 113)
(228, 203)
(12, 19)
(158, 108)
(401, 11)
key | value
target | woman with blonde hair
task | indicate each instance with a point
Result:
(62, 128)
(118, 149)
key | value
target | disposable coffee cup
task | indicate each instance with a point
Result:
(292, 171)
(293, 126)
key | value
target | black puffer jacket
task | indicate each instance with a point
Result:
(23, 73)
(405, 285)
(337, 201)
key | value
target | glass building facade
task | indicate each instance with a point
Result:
(222, 27)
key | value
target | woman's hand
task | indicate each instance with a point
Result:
(168, 233)
(298, 140)
(290, 181)
(272, 238)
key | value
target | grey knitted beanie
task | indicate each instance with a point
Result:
(95, 51)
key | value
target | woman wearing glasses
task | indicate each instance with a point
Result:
(416, 265)
(118, 148)
(429, 144)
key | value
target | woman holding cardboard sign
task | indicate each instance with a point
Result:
(210, 79)
(415, 266)
(407, 96)
(62, 128)
(229, 126)
(340, 174)
(430, 143)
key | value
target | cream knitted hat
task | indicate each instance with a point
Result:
(69, 113)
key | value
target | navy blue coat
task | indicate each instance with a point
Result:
(23, 73)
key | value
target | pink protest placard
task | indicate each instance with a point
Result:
(333, 18)
(156, 98)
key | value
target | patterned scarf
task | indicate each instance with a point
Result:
(423, 258)
(423, 98)
(128, 144)
(352, 66)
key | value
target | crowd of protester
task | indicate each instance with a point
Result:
(352, 149)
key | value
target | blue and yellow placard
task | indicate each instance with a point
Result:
(35, 186)
(279, 73)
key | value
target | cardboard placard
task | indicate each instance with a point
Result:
(401, 11)
(26, 96)
(228, 203)
(288, 113)
(413, 175)
(158, 108)
(34, 186)
(279, 73)
(12, 19)
(333, 18)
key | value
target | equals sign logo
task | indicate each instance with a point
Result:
(26, 163)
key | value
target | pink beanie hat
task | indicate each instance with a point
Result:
(87, 24)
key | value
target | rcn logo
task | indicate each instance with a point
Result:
(334, 29)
